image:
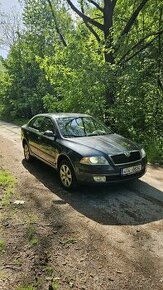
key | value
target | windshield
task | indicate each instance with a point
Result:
(81, 127)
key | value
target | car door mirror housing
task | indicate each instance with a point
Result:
(50, 134)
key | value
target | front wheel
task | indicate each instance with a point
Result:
(27, 154)
(67, 175)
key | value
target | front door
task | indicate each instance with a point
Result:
(34, 134)
(49, 147)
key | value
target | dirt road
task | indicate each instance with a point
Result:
(105, 237)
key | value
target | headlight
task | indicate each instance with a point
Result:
(94, 160)
(143, 154)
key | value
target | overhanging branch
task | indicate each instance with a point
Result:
(89, 26)
(85, 17)
(157, 33)
(141, 49)
(96, 5)
(56, 24)
(133, 17)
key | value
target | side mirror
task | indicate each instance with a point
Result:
(49, 134)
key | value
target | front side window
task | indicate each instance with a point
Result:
(36, 123)
(81, 127)
(47, 125)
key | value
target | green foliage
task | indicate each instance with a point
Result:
(2, 245)
(154, 146)
(31, 234)
(29, 287)
(55, 285)
(20, 122)
(7, 181)
(79, 75)
(138, 109)
(26, 84)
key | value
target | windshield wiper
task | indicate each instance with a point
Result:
(97, 134)
(69, 136)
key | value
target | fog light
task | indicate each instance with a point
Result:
(99, 178)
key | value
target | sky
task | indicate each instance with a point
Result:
(8, 6)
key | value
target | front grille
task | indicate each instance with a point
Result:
(122, 158)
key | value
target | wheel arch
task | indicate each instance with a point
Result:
(64, 157)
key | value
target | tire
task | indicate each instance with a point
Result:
(27, 154)
(66, 175)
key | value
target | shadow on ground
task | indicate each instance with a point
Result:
(131, 203)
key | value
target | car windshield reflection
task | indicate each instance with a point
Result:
(81, 127)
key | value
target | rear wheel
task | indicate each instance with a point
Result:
(27, 154)
(67, 175)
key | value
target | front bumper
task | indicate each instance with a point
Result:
(87, 174)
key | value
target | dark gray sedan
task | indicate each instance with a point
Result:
(82, 149)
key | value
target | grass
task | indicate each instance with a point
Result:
(7, 187)
(2, 245)
(7, 183)
(25, 288)
(31, 234)
(49, 271)
(55, 285)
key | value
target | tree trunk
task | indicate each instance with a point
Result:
(108, 24)
(109, 57)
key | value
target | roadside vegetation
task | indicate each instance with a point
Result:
(95, 58)
(7, 185)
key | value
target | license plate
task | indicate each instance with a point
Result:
(131, 170)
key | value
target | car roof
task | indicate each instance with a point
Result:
(63, 115)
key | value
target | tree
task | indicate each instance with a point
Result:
(28, 83)
(106, 10)
(113, 37)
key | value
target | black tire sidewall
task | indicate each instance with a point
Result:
(30, 157)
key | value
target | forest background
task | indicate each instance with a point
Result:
(104, 58)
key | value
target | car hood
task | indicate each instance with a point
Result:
(108, 144)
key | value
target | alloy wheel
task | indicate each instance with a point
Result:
(65, 175)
